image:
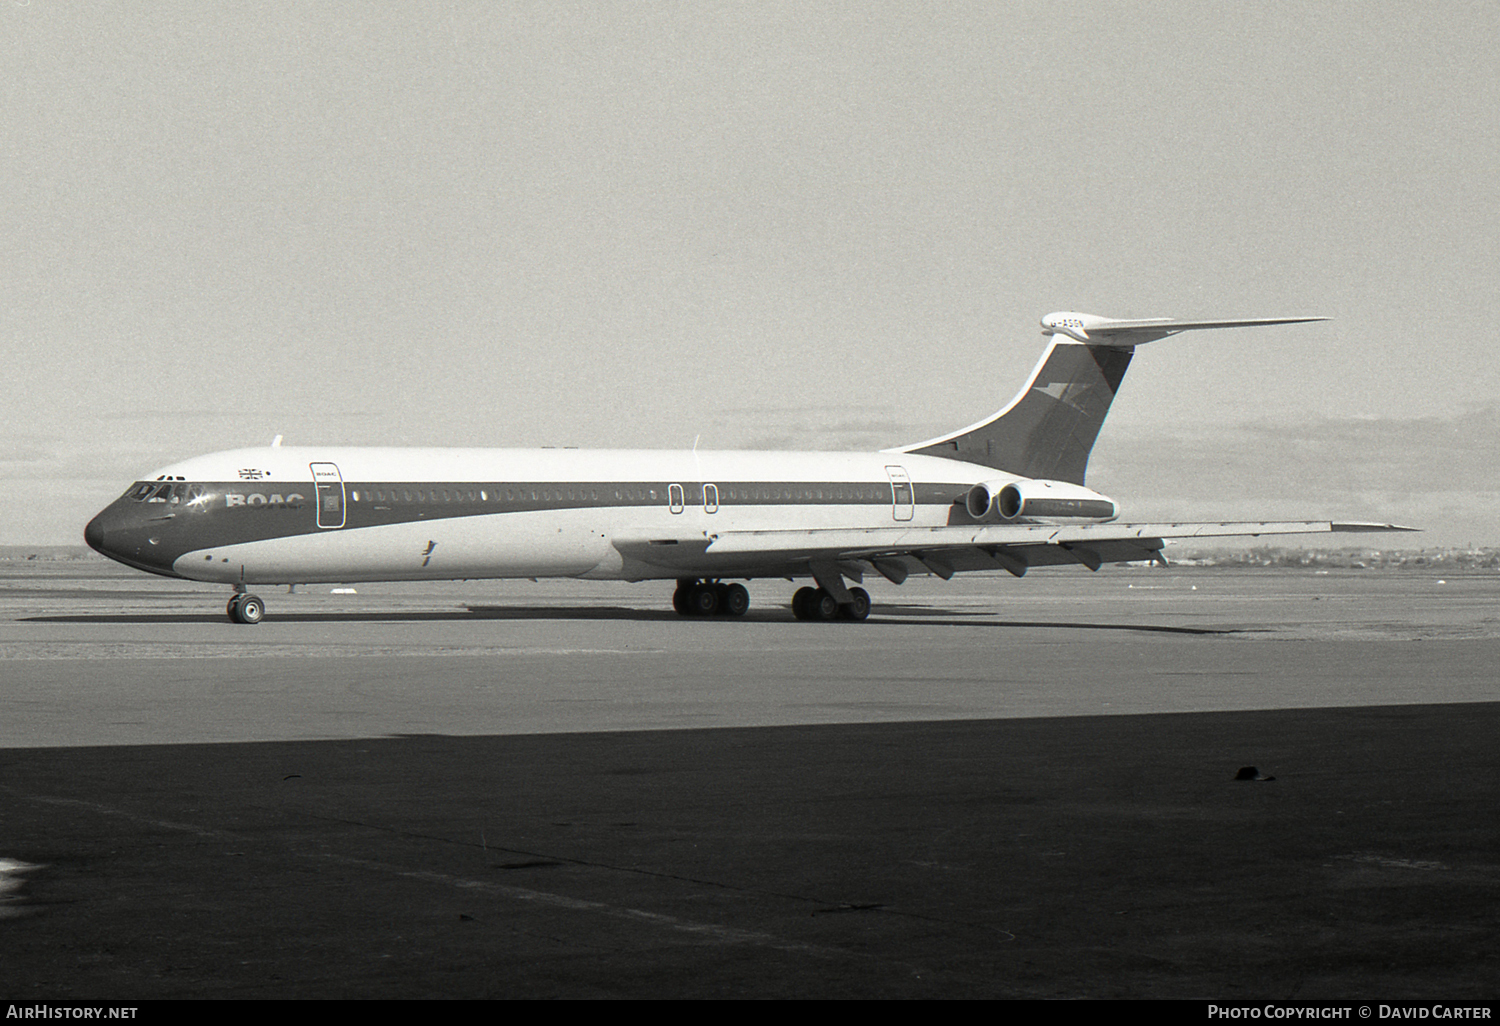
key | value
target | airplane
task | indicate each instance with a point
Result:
(1005, 493)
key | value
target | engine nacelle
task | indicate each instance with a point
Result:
(1053, 500)
(981, 498)
(1044, 500)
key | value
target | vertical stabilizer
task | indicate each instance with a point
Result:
(1049, 428)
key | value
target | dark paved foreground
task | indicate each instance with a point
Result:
(1105, 856)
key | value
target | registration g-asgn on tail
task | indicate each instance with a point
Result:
(1008, 493)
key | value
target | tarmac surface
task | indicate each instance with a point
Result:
(992, 788)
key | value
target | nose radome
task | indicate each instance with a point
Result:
(94, 535)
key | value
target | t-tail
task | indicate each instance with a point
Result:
(1048, 430)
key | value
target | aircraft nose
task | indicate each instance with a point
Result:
(133, 534)
(94, 534)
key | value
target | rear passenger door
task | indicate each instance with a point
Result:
(902, 500)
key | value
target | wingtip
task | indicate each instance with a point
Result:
(1363, 526)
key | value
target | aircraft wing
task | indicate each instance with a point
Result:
(1013, 547)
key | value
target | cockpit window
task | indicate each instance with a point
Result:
(168, 492)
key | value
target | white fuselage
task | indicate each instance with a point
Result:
(293, 515)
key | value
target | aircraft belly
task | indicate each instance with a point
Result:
(654, 548)
(817, 517)
(551, 544)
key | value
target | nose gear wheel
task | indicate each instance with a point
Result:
(246, 609)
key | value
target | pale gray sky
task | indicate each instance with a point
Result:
(801, 225)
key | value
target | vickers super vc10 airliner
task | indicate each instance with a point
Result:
(1006, 493)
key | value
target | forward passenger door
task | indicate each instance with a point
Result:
(330, 486)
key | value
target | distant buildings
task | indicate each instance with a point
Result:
(1344, 559)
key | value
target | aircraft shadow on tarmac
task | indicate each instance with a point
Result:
(911, 616)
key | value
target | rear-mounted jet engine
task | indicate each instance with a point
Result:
(1039, 499)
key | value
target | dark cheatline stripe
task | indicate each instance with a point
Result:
(374, 503)
(529, 496)
(191, 516)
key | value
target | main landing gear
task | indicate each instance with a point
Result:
(696, 597)
(707, 598)
(818, 604)
(244, 608)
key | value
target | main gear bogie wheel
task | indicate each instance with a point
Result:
(735, 600)
(859, 609)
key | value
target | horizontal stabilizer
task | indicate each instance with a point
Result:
(1110, 331)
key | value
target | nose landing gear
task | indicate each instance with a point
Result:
(245, 609)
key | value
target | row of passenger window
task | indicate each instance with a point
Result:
(477, 495)
(806, 493)
(174, 493)
(594, 496)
